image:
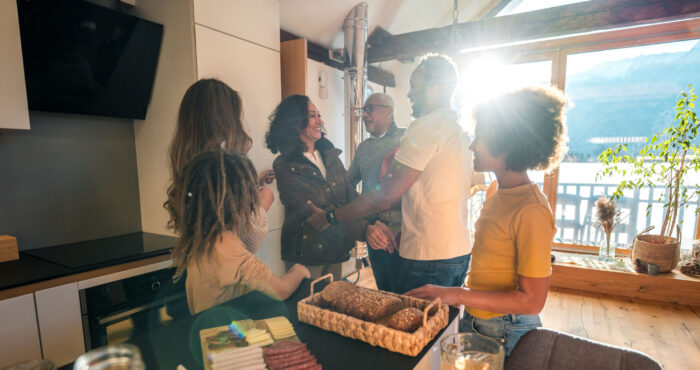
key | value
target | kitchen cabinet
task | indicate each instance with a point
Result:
(19, 335)
(60, 323)
(14, 113)
(254, 72)
(255, 21)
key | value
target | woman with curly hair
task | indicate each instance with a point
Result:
(309, 169)
(510, 266)
(210, 204)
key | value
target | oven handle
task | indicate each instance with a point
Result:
(138, 309)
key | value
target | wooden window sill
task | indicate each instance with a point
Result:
(667, 287)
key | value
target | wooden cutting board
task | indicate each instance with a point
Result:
(244, 325)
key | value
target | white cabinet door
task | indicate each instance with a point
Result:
(257, 21)
(19, 336)
(254, 72)
(14, 113)
(60, 323)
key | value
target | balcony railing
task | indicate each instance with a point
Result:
(577, 224)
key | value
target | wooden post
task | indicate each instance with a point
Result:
(293, 63)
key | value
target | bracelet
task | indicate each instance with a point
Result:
(330, 217)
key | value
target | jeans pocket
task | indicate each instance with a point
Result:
(492, 329)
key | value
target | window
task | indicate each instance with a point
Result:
(522, 6)
(619, 96)
(484, 77)
(623, 84)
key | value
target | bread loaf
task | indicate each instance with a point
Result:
(362, 303)
(408, 319)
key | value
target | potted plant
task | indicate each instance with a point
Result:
(664, 161)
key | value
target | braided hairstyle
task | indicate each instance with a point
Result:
(217, 192)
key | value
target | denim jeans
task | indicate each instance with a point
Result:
(414, 274)
(506, 329)
(384, 267)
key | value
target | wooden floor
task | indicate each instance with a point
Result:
(670, 333)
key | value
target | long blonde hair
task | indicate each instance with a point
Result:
(216, 192)
(209, 119)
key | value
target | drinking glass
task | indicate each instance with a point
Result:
(466, 351)
(119, 357)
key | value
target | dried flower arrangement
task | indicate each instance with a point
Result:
(609, 217)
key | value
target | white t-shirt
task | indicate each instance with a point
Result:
(434, 225)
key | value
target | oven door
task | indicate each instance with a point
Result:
(114, 313)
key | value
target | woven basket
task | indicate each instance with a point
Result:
(372, 333)
(655, 249)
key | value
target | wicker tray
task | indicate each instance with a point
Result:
(372, 333)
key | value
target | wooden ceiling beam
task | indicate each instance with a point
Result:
(563, 20)
(320, 54)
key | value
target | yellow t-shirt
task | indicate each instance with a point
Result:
(513, 237)
(231, 271)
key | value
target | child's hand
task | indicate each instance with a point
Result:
(266, 177)
(430, 292)
(266, 197)
(301, 270)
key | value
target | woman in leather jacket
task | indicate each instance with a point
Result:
(309, 169)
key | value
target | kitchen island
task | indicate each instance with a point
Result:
(178, 343)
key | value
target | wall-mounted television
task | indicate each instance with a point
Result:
(83, 58)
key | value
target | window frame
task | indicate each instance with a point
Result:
(558, 49)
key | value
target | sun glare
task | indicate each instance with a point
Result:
(483, 78)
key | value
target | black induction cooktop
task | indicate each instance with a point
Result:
(94, 253)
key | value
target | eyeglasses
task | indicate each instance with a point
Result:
(370, 108)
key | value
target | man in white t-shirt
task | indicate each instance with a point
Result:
(430, 174)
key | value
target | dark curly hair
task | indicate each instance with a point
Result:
(527, 126)
(286, 123)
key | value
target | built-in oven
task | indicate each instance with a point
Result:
(115, 312)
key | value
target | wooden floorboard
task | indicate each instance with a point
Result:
(668, 332)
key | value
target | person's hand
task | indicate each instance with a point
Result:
(266, 177)
(317, 218)
(379, 236)
(266, 197)
(300, 270)
(430, 292)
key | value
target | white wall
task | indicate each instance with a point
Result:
(175, 73)
(331, 108)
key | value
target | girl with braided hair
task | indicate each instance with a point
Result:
(210, 204)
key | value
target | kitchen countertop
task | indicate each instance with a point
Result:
(43, 264)
(178, 343)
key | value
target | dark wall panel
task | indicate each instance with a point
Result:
(70, 178)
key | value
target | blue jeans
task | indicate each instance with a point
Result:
(414, 274)
(384, 266)
(506, 329)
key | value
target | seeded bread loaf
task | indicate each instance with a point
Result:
(362, 303)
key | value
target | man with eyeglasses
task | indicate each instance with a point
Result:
(431, 175)
(385, 136)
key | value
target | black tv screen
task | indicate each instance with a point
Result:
(86, 59)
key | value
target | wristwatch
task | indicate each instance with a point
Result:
(330, 217)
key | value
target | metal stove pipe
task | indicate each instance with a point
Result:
(355, 31)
